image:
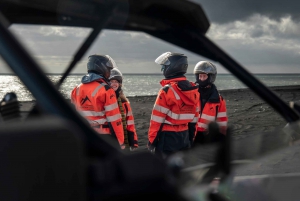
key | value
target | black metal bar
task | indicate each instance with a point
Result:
(47, 96)
(79, 54)
(198, 43)
(88, 42)
(248, 79)
(85, 46)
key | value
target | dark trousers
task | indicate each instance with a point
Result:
(207, 138)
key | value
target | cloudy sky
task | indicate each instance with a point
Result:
(263, 36)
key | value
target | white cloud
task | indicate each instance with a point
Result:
(255, 42)
(259, 31)
(260, 40)
(64, 32)
(32, 30)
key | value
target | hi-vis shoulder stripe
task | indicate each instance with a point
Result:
(175, 93)
(108, 119)
(92, 113)
(77, 89)
(161, 109)
(97, 121)
(173, 115)
(222, 114)
(130, 122)
(113, 118)
(157, 119)
(111, 107)
(97, 89)
(202, 125)
(167, 122)
(129, 113)
(195, 120)
(180, 116)
(208, 117)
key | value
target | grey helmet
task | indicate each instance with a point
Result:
(207, 68)
(172, 64)
(101, 64)
(115, 74)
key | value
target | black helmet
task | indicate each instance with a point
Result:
(208, 68)
(115, 74)
(101, 64)
(172, 64)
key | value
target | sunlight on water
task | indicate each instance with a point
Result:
(139, 85)
(13, 84)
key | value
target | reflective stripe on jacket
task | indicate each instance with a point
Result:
(132, 136)
(174, 107)
(98, 104)
(213, 112)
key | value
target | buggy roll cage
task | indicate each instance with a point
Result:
(155, 17)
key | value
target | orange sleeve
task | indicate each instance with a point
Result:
(132, 135)
(197, 117)
(158, 116)
(222, 118)
(73, 96)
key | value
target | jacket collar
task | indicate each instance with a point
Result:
(90, 77)
(164, 82)
(214, 97)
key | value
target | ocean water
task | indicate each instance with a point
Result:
(142, 85)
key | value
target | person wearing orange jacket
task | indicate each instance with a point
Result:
(176, 105)
(130, 136)
(96, 100)
(213, 105)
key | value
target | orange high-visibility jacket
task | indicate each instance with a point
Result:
(213, 110)
(132, 136)
(97, 102)
(174, 108)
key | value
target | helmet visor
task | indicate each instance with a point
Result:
(163, 59)
(110, 63)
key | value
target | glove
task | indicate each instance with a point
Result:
(150, 147)
(132, 148)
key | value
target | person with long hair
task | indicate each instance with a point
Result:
(130, 135)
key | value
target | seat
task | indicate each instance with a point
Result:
(42, 159)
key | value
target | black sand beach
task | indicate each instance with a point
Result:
(248, 115)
